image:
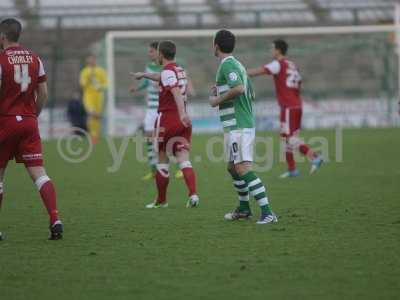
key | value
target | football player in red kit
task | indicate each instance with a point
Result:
(173, 128)
(23, 93)
(287, 81)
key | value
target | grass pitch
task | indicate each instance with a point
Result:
(338, 236)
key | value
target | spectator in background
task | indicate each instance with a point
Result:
(76, 113)
(93, 81)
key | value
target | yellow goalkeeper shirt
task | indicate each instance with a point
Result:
(93, 81)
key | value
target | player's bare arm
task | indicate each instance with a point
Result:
(180, 103)
(256, 71)
(231, 94)
(150, 76)
(190, 87)
(42, 96)
(134, 88)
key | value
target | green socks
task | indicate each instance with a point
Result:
(257, 190)
(243, 192)
(151, 156)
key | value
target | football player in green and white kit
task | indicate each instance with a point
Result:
(233, 95)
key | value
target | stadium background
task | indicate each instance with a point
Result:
(350, 80)
(338, 234)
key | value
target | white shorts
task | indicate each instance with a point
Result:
(239, 145)
(150, 120)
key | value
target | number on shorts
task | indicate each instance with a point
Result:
(235, 147)
(21, 76)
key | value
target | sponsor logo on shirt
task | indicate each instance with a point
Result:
(233, 76)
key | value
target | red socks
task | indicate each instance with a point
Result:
(303, 148)
(306, 151)
(294, 142)
(48, 194)
(162, 180)
(190, 177)
(290, 161)
(290, 157)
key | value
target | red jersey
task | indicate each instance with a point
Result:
(287, 82)
(20, 72)
(172, 76)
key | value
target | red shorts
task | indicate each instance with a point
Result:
(171, 136)
(290, 120)
(20, 139)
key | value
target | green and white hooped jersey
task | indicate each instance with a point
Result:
(152, 87)
(238, 112)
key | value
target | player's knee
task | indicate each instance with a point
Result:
(185, 164)
(288, 146)
(1, 188)
(231, 169)
(163, 169)
(35, 172)
(293, 141)
(242, 168)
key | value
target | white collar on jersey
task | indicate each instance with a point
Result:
(223, 60)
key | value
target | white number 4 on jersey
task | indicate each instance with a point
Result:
(21, 76)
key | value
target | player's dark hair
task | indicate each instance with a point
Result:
(282, 46)
(11, 28)
(154, 45)
(167, 49)
(225, 40)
